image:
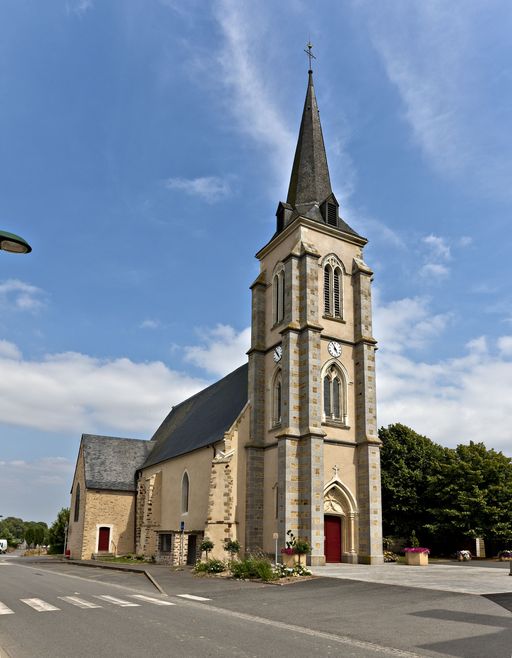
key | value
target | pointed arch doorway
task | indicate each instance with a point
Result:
(332, 542)
(340, 523)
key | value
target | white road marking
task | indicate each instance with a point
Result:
(150, 599)
(116, 601)
(80, 603)
(192, 597)
(39, 605)
(4, 610)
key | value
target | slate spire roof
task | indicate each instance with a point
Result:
(310, 181)
(310, 193)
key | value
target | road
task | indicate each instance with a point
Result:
(62, 611)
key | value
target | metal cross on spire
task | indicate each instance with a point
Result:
(308, 52)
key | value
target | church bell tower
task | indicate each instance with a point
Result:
(313, 459)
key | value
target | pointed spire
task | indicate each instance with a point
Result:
(309, 182)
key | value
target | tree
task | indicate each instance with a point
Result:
(13, 527)
(473, 493)
(409, 462)
(36, 533)
(445, 495)
(57, 532)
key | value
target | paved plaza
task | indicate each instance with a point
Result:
(464, 578)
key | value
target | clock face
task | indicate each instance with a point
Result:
(277, 354)
(334, 348)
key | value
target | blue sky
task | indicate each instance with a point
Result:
(144, 146)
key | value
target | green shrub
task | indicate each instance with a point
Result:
(253, 567)
(210, 566)
(232, 546)
(302, 547)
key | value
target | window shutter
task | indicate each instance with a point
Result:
(327, 290)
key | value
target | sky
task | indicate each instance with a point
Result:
(144, 147)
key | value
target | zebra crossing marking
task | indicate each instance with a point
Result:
(120, 602)
(150, 599)
(192, 597)
(80, 603)
(39, 605)
(4, 610)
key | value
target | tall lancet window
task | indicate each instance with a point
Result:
(278, 295)
(334, 395)
(77, 503)
(277, 399)
(333, 287)
(185, 487)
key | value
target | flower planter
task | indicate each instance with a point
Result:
(416, 559)
(289, 560)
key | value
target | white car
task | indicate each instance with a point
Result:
(3, 546)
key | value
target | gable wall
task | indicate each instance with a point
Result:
(76, 529)
(109, 508)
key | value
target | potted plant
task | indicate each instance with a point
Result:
(302, 548)
(206, 546)
(417, 556)
(232, 546)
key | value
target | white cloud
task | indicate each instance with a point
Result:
(75, 393)
(437, 254)
(434, 270)
(505, 345)
(79, 7)
(21, 296)
(222, 351)
(9, 350)
(149, 324)
(438, 246)
(35, 490)
(407, 323)
(443, 62)
(449, 400)
(209, 188)
(252, 99)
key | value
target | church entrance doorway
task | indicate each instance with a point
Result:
(192, 549)
(103, 539)
(332, 532)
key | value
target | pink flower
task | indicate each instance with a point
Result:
(417, 550)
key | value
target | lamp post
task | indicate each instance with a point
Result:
(14, 243)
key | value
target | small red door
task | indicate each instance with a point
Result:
(104, 539)
(332, 531)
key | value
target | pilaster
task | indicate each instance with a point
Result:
(368, 444)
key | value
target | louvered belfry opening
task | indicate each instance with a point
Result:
(332, 215)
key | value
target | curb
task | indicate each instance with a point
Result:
(118, 567)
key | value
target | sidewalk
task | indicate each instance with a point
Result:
(450, 577)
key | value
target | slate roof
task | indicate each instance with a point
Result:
(110, 462)
(202, 419)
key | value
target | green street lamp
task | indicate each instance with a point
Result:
(13, 243)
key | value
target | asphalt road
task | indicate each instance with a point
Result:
(90, 613)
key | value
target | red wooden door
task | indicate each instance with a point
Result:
(104, 539)
(332, 531)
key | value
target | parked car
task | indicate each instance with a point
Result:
(3, 546)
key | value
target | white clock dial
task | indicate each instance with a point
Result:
(334, 348)
(277, 354)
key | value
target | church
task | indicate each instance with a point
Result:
(288, 441)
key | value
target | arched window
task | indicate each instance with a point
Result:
(277, 399)
(333, 287)
(77, 503)
(278, 295)
(334, 395)
(185, 486)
